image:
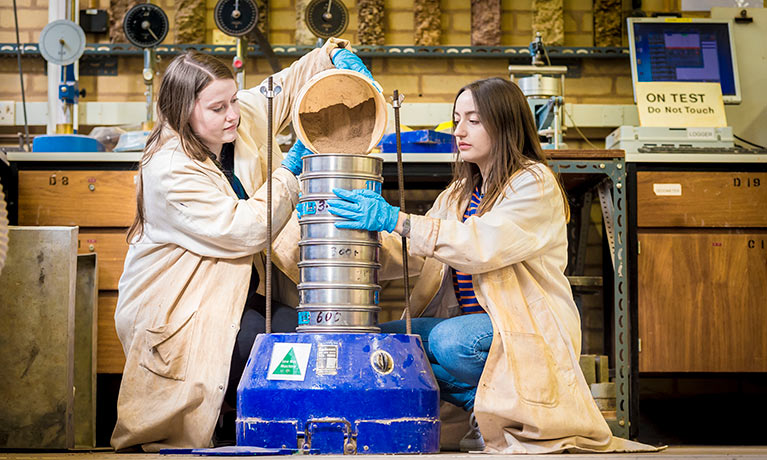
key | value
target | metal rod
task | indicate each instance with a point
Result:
(75, 7)
(396, 103)
(21, 79)
(242, 53)
(149, 60)
(270, 129)
(557, 108)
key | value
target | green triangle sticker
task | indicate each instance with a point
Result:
(288, 365)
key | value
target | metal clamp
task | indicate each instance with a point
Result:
(270, 93)
(396, 100)
(304, 439)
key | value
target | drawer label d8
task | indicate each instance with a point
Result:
(53, 180)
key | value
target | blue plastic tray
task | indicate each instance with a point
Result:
(66, 143)
(420, 141)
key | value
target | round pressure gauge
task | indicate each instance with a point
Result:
(327, 18)
(145, 25)
(62, 42)
(236, 18)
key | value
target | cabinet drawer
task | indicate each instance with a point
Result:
(110, 358)
(110, 246)
(701, 199)
(701, 301)
(84, 198)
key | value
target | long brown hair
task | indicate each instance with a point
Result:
(506, 116)
(186, 76)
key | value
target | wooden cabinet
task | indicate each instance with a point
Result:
(111, 359)
(103, 204)
(84, 198)
(111, 246)
(701, 271)
(702, 299)
(701, 199)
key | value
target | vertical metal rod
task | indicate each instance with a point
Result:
(75, 7)
(396, 103)
(21, 79)
(557, 131)
(242, 53)
(270, 129)
(149, 60)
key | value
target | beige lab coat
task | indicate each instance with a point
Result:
(532, 396)
(186, 278)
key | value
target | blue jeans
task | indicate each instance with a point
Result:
(457, 350)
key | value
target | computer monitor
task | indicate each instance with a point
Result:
(684, 50)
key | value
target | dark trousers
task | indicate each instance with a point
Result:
(253, 322)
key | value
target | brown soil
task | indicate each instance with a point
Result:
(340, 129)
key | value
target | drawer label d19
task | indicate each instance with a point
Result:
(667, 189)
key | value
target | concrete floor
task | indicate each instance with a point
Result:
(673, 453)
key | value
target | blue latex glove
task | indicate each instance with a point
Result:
(345, 59)
(364, 210)
(292, 160)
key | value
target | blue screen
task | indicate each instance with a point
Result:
(684, 51)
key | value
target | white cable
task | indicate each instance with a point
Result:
(578, 129)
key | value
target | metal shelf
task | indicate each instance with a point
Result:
(615, 170)
(392, 51)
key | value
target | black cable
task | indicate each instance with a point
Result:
(748, 142)
(21, 78)
(545, 53)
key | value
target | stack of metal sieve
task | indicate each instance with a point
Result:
(339, 287)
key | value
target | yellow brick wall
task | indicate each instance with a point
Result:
(420, 79)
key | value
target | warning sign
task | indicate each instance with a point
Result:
(680, 104)
(289, 361)
(288, 365)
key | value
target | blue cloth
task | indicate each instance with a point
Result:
(293, 161)
(462, 282)
(363, 210)
(457, 350)
(345, 59)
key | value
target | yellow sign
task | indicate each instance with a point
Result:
(680, 105)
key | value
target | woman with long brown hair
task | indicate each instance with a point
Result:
(495, 310)
(190, 298)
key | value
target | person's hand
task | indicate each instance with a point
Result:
(345, 59)
(364, 210)
(292, 161)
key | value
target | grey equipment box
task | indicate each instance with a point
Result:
(632, 138)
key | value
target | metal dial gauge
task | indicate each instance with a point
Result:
(236, 18)
(62, 42)
(145, 25)
(327, 18)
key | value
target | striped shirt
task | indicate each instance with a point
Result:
(464, 290)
